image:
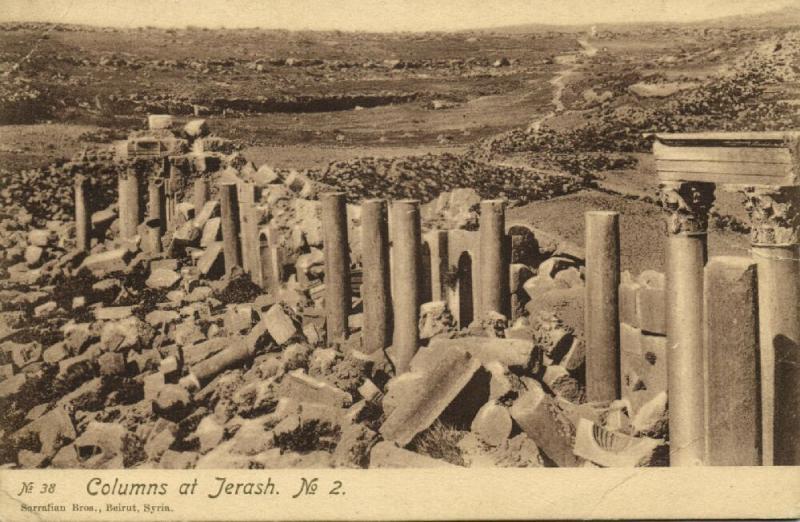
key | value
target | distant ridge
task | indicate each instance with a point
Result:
(788, 16)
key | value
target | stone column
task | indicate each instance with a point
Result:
(171, 175)
(130, 203)
(602, 306)
(688, 205)
(376, 286)
(265, 270)
(407, 252)
(337, 265)
(83, 214)
(229, 208)
(200, 195)
(493, 259)
(152, 240)
(775, 236)
(157, 200)
(732, 388)
(249, 224)
(438, 247)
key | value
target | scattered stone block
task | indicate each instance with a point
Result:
(113, 313)
(159, 318)
(172, 402)
(111, 363)
(6, 372)
(107, 262)
(162, 279)
(23, 354)
(209, 433)
(152, 385)
(106, 443)
(40, 237)
(12, 386)
(45, 309)
(280, 325)
(34, 256)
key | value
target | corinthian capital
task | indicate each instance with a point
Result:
(688, 204)
(774, 215)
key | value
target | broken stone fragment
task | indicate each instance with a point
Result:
(113, 313)
(387, 455)
(435, 319)
(354, 447)
(211, 232)
(34, 256)
(280, 324)
(209, 433)
(541, 418)
(161, 437)
(562, 384)
(173, 402)
(444, 373)
(652, 417)
(12, 386)
(6, 371)
(159, 318)
(613, 449)
(301, 387)
(152, 385)
(129, 333)
(503, 385)
(239, 318)
(89, 396)
(493, 424)
(211, 264)
(53, 429)
(236, 353)
(107, 262)
(40, 237)
(296, 356)
(516, 354)
(210, 209)
(23, 354)
(45, 309)
(103, 446)
(162, 279)
(111, 363)
(178, 459)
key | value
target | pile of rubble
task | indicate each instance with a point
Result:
(140, 361)
(425, 177)
(126, 355)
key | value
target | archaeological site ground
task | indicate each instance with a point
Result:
(533, 246)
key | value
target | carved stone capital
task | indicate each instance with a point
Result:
(688, 204)
(774, 215)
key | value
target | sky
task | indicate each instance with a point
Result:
(373, 15)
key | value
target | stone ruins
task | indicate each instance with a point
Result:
(276, 324)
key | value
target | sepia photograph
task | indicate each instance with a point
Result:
(405, 235)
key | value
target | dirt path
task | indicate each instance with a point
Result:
(559, 81)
